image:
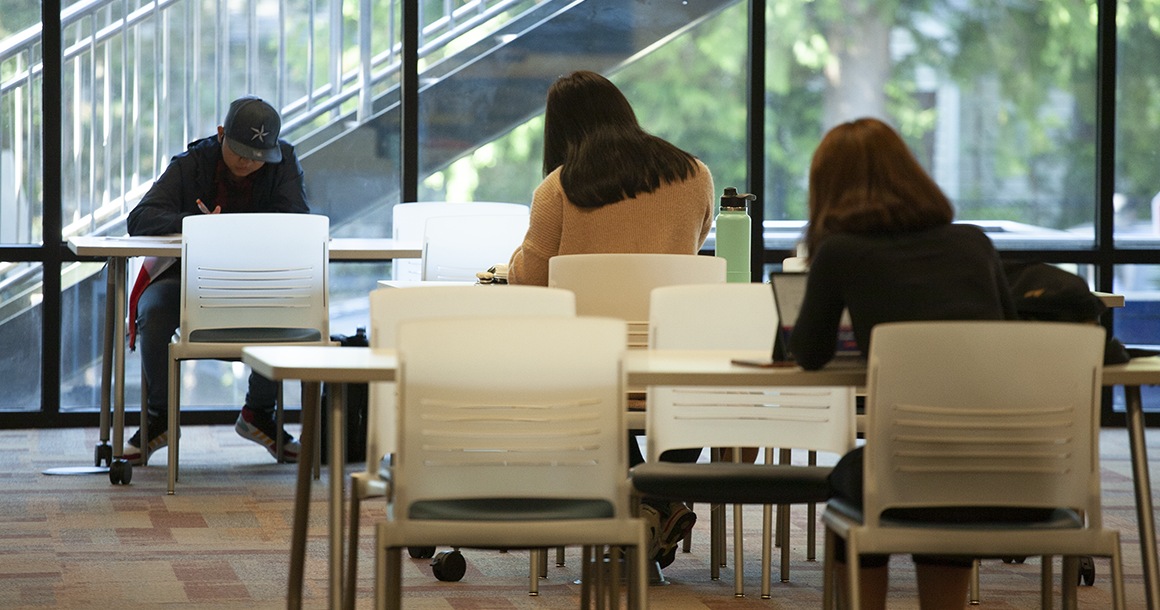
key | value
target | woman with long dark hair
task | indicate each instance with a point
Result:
(609, 185)
(882, 245)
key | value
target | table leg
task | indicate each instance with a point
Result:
(336, 431)
(118, 264)
(311, 397)
(1144, 514)
(107, 352)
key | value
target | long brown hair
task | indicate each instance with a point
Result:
(591, 130)
(864, 180)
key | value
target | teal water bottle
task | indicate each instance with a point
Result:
(733, 235)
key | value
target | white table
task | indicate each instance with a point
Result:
(663, 367)
(641, 368)
(118, 250)
(313, 366)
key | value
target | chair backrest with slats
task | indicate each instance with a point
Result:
(619, 285)
(983, 414)
(736, 317)
(712, 316)
(255, 277)
(533, 408)
(409, 221)
(455, 248)
(390, 306)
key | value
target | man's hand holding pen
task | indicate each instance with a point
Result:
(205, 210)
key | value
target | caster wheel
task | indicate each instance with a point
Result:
(449, 566)
(421, 552)
(1087, 571)
(1014, 559)
(103, 453)
(120, 472)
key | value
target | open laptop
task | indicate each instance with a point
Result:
(789, 291)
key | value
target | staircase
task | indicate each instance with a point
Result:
(481, 93)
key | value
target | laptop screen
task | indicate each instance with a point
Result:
(789, 292)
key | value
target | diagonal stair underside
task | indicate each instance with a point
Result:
(481, 93)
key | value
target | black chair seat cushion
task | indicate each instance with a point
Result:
(255, 335)
(970, 517)
(511, 509)
(731, 483)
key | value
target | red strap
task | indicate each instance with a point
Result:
(143, 280)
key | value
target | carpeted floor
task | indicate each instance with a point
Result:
(223, 541)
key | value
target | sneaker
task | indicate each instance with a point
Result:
(132, 449)
(669, 523)
(652, 529)
(256, 428)
(678, 525)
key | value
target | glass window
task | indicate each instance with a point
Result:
(20, 334)
(996, 100)
(482, 136)
(1138, 322)
(1137, 198)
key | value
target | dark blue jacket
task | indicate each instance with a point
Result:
(278, 187)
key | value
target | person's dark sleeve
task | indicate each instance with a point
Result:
(815, 334)
(1002, 285)
(289, 193)
(160, 211)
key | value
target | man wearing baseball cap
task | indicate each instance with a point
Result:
(244, 168)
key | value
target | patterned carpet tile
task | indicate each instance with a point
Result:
(222, 542)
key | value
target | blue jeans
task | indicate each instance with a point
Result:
(158, 316)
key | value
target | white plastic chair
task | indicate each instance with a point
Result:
(620, 285)
(739, 318)
(247, 279)
(409, 221)
(511, 438)
(980, 414)
(389, 307)
(455, 248)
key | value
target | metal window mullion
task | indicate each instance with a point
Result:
(51, 114)
(755, 137)
(409, 102)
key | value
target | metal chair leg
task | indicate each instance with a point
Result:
(1045, 596)
(974, 594)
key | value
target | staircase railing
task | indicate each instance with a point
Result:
(142, 79)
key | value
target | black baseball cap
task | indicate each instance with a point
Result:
(252, 127)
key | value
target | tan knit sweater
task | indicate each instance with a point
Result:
(674, 219)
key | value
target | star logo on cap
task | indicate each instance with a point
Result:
(260, 133)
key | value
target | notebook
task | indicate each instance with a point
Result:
(789, 291)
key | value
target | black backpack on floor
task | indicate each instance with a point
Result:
(355, 411)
